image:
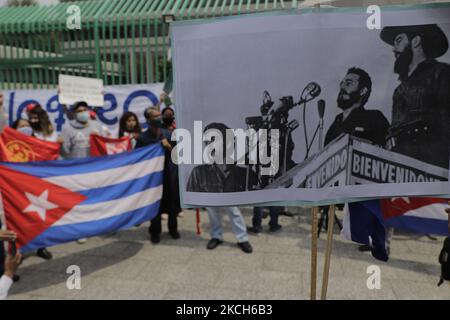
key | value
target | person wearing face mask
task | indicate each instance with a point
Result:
(76, 135)
(157, 134)
(129, 127)
(41, 125)
(23, 126)
(168, 119)
(421, 102)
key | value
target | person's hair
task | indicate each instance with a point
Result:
(223, 130)
(44, 120)
(79, 104)
(123, 123)
(364, 81)
(15, 124)
(148, 110)
(166, 109)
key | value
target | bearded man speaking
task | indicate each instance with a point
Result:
(355, 120)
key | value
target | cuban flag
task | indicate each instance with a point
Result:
(366, 221)
(53, 202)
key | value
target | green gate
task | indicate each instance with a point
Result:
(120, 41)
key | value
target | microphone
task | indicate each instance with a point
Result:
(311, 91)
(321, 108)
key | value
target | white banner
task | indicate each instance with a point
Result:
(315, 75)
(118, 99)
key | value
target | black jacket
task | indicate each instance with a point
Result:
(370, 125)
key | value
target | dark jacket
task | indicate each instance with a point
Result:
(370, 125)
(421, 114)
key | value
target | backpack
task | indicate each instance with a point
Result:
(444, 260)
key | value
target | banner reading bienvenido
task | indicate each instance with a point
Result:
(313, 107)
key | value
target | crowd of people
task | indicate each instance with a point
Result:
(75, 143)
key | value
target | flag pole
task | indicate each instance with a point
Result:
(328, 248)
(313, 252)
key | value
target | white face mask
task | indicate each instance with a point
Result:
(83, 117)
(26, 130)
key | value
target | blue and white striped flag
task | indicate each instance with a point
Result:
(49, 203)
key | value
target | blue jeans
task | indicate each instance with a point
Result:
(258, 213)
(236, 220)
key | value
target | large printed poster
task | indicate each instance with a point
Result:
(340, 111)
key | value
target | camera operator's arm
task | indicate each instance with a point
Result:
(11, 265)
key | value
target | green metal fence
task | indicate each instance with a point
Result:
(120, 41)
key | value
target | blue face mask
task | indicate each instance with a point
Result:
(26, 130)
(83, 117)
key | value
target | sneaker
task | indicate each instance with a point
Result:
(180, 214)
(82, 241)
(245, 246)
(175, 234)
(44, 254)
(213, 243)
(254, 229)
(155, 238)
(275, 228)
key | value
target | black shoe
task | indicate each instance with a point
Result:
(44, 254)
(286, 213)
(175, 234)
(254, 229)
(155, 238)
(275, 228)
(213, 243)
(245, 246)
(15, 278)
(364, 248)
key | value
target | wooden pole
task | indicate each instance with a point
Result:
(329, 246)
(314, 211)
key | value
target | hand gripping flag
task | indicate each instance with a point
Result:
(18, 147)
(49, 203)
(101, 146)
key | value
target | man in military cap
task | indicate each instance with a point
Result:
(420, 126)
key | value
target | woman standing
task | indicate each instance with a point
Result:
(129, 127)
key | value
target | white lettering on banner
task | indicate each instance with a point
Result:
(118, 99)
(221, 150)
(379, 170)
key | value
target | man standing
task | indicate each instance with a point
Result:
(371, 125)
(421, 103)
(354, 93)
(155, 134)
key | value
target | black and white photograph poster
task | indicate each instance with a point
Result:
(328, 109)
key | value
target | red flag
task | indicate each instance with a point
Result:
(102, 146)
(32, 205)
(18, 147)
